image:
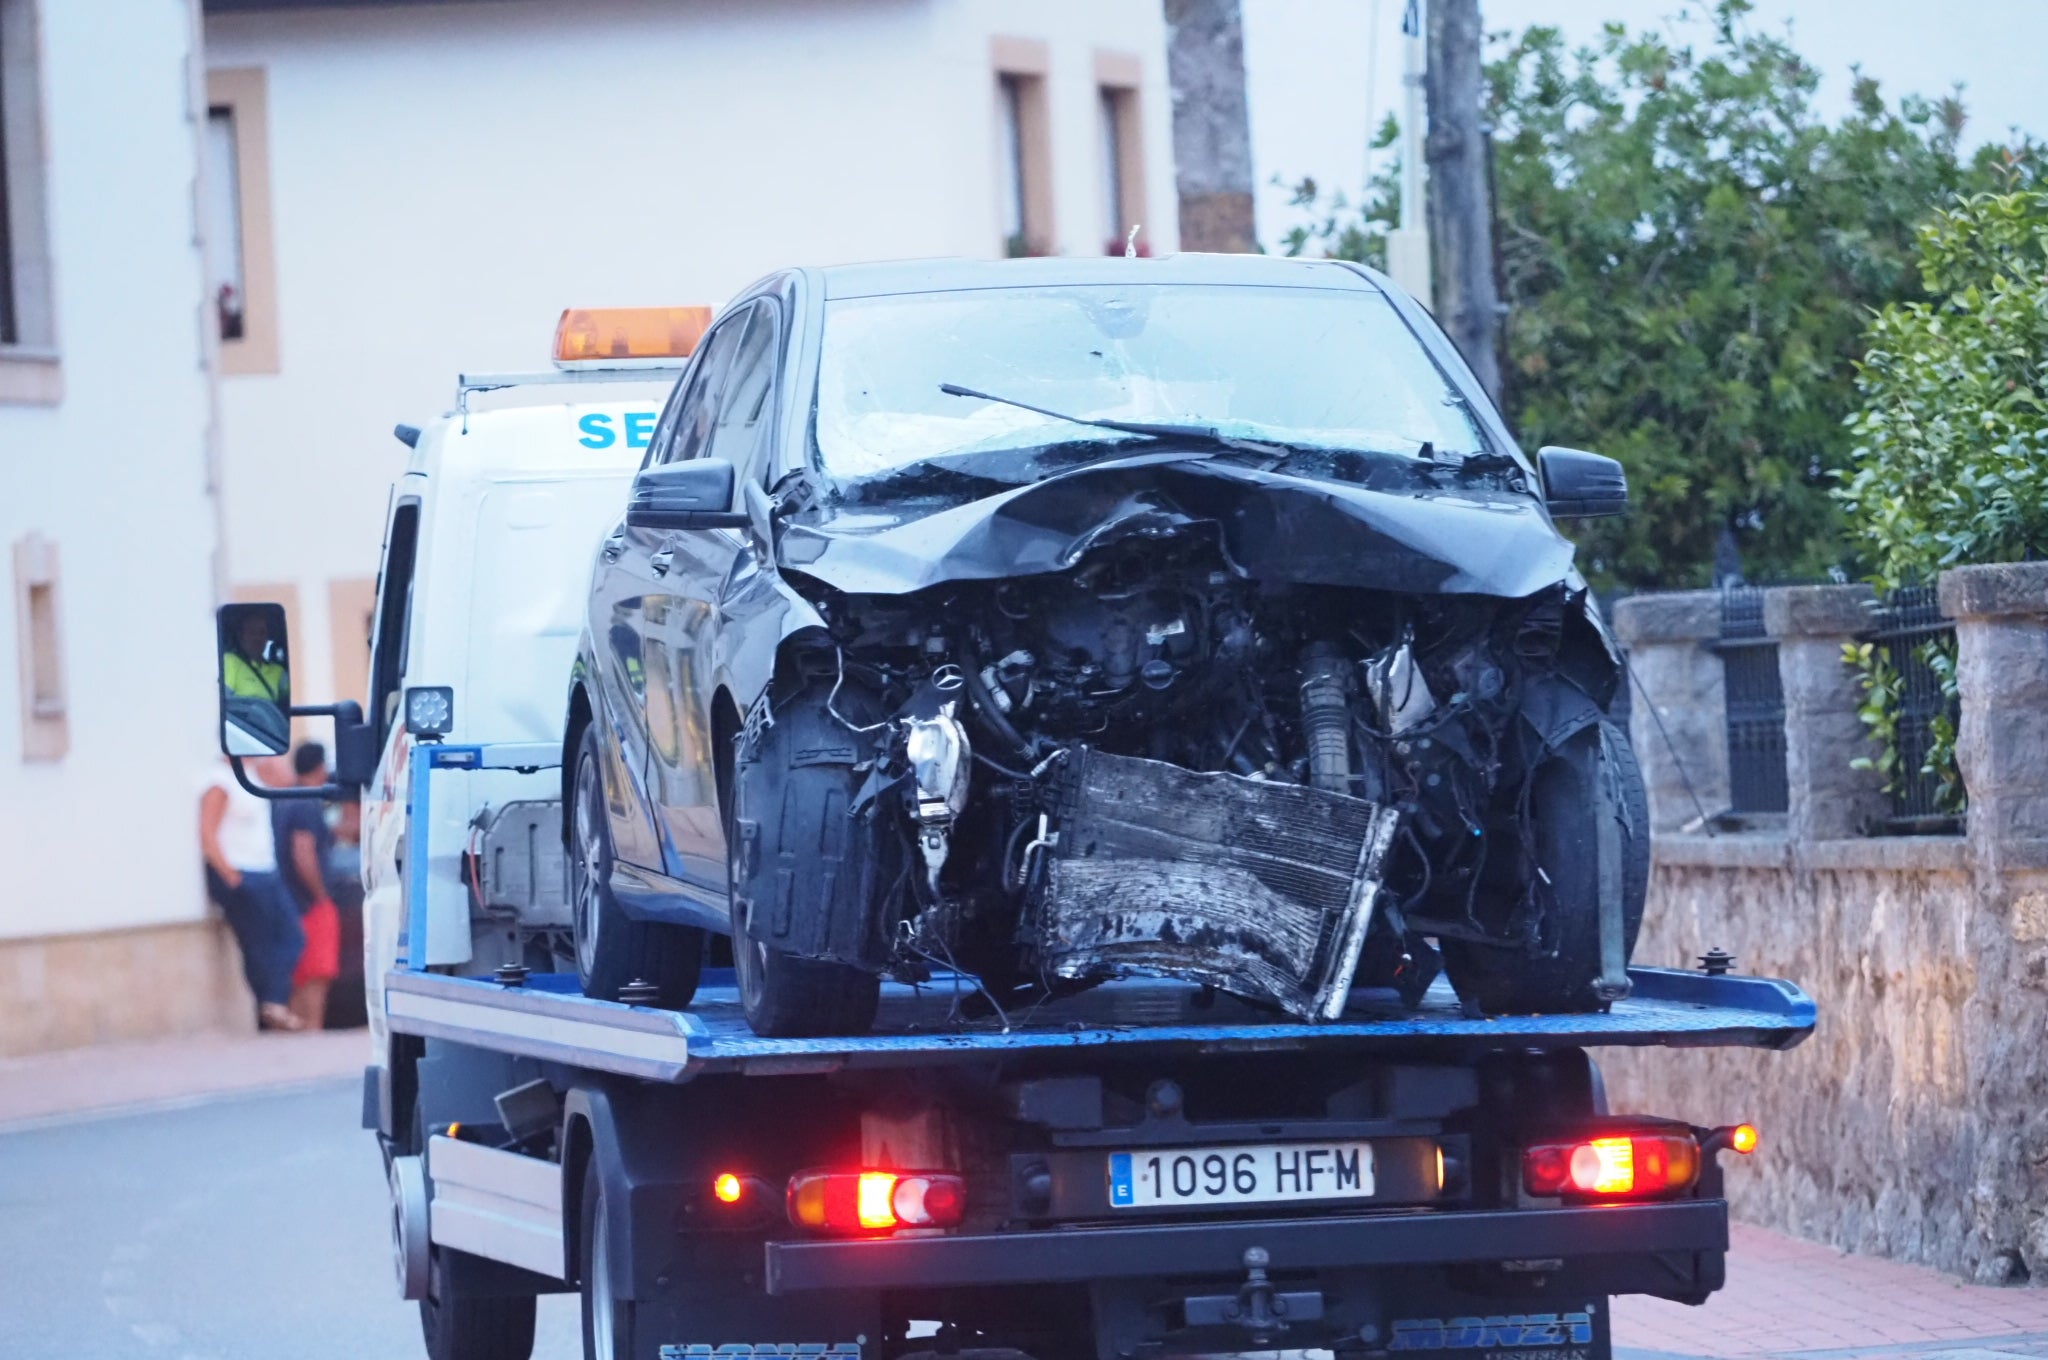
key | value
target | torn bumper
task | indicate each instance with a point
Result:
(1262, 889)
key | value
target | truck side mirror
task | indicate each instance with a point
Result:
(692, 495)
(255, 680)
(1581, 485)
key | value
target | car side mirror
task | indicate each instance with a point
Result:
(255, 680)
(1581, 485)
(691, 495)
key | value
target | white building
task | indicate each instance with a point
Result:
(105, 451)
(242, 239)
(421, 188)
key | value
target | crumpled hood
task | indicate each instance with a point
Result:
(1275, 526)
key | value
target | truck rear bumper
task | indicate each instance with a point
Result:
(1209, 1248)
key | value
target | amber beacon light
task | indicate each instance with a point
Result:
(615, 337)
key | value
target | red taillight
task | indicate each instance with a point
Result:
(1614, 1166)
(875, 1201)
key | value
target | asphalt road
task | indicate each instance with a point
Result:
(244, 1227)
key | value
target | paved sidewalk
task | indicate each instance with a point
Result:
(110, 1076)
(1788, 1297)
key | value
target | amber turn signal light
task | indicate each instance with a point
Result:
(1618, 1166)
(875, 1201)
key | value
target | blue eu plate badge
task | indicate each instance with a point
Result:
(1121, 1195)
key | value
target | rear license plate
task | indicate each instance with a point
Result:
(1269, 1174)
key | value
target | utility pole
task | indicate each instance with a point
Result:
(1212, 136)
(1460, 213)
(1408, 244)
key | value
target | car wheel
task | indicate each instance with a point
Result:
(788, 997)
(612, 949)
(1564, 803)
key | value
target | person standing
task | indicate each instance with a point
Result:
(240, 850)
(304, 843)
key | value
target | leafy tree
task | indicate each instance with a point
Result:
(1689, 254)
(1950, 465)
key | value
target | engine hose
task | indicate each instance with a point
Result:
(1326, 716)
(985, 708)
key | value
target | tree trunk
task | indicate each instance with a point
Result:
(1460, 213)
(1212, 139)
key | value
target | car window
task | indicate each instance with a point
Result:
(394, 616)
(747, 405)
(698, 408)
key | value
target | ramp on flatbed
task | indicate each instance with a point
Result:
(549, 1019)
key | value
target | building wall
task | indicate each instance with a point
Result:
(444, 179)
(97, 831)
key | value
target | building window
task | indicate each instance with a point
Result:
(45, 721)
(235, 222)
(222, 230)
(28, 331)
(1023, 148)
(1122, 149)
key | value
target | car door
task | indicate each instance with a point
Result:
(630, 603)
(703, 566)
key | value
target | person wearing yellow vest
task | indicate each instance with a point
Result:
(247, 671)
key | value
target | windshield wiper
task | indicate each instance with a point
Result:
(1194, 434)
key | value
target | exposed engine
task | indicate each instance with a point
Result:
(1151, 762)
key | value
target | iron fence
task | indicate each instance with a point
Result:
(1755, 705)
(1910, 629)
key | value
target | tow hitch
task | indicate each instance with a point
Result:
(1260, 1310)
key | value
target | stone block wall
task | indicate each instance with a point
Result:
(1914, 1124)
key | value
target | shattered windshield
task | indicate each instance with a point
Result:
(1304, 367)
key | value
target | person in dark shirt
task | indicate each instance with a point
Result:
(303, 844)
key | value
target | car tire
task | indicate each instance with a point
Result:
(612, 949)
(1564, 806)
(608, 1318)
(813, 867)
(786, 997)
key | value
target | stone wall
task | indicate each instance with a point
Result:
(1914, 1123)
(68, 991)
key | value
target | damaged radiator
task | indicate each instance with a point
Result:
(1262, 889)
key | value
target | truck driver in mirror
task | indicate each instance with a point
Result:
(255, 680)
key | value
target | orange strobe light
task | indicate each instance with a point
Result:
(614, 335)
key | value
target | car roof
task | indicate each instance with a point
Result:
(952, 275)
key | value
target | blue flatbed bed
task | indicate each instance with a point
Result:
(548, 1019)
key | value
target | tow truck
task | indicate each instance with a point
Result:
(1148, 1168)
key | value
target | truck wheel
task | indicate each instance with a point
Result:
(1563, 807)
(462, 1326)
(612, 949)
(608, 1318)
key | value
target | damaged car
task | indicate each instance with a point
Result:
(1032, 624)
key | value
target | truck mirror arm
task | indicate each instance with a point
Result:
(354, 755)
